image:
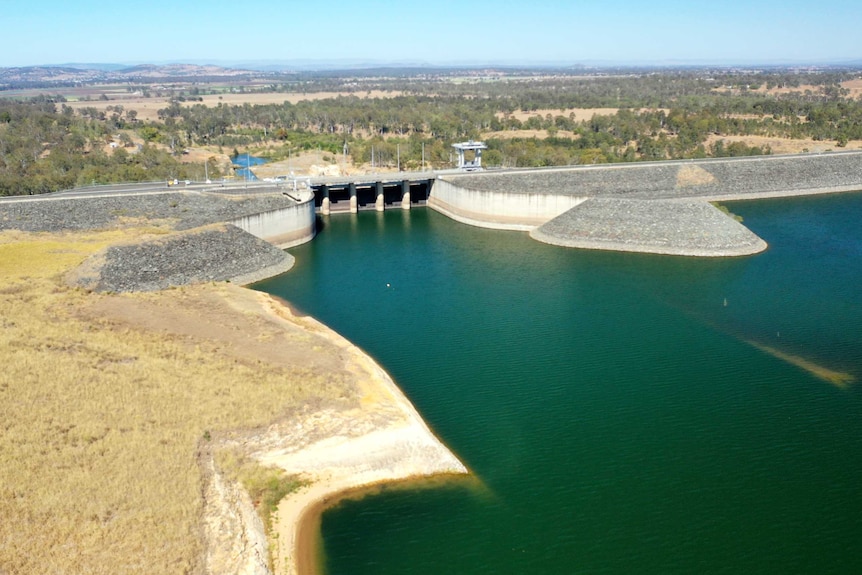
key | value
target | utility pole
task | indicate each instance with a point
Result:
(398, 152)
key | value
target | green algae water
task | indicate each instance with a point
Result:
(623, 413)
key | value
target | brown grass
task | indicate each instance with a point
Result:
(105, 399)
(212, 100)
(692, 176)
(526, 134)
(855, 87)
(148, 108)
(786, 145)
(580, 114)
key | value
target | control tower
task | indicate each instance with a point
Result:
(471, 146)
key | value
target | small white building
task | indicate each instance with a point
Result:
(464, 148)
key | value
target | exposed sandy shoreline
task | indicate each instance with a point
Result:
(338, 452)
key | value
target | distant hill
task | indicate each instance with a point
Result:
(73, 74)
(78, 74)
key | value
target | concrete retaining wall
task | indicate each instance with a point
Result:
(500, 210)
(285, 227)
(655, 208)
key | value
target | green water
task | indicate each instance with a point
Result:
(619, 410)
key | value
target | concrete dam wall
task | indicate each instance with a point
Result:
(283, 227)
(506, 210)
(655, 207)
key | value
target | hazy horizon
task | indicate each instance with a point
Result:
(549, 32)
(311, 65)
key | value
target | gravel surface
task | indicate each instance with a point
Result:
(185, 210)
(713, 179)
(202, 249)
(691, 228)
(221, 252)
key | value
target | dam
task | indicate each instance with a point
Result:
(660, 207)
(602, 386)
(373, 191)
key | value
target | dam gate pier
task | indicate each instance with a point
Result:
(371, 192)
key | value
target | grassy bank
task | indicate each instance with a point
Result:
(105, 400)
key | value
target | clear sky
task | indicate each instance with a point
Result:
(432, 31)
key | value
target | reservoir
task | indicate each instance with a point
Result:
(244, 163)
(621, 413)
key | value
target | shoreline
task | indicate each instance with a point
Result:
(379, 442)
(297, 526)
(378, 439)
(309, 542)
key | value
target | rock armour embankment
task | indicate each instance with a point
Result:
(184, 210)
(202, 248)
(733, 178)
(661, 227)
(662, 207)
(220, 252)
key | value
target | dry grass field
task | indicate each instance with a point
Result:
(854, 86)
(148, 108)
(580, 114)
(526, 134)
(107, 402)
(786, 145)
(212, 100)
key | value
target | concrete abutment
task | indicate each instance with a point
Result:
(286, 227)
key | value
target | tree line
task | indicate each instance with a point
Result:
(45, 145)
(43, 149)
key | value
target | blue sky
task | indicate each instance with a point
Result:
(433, 31)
